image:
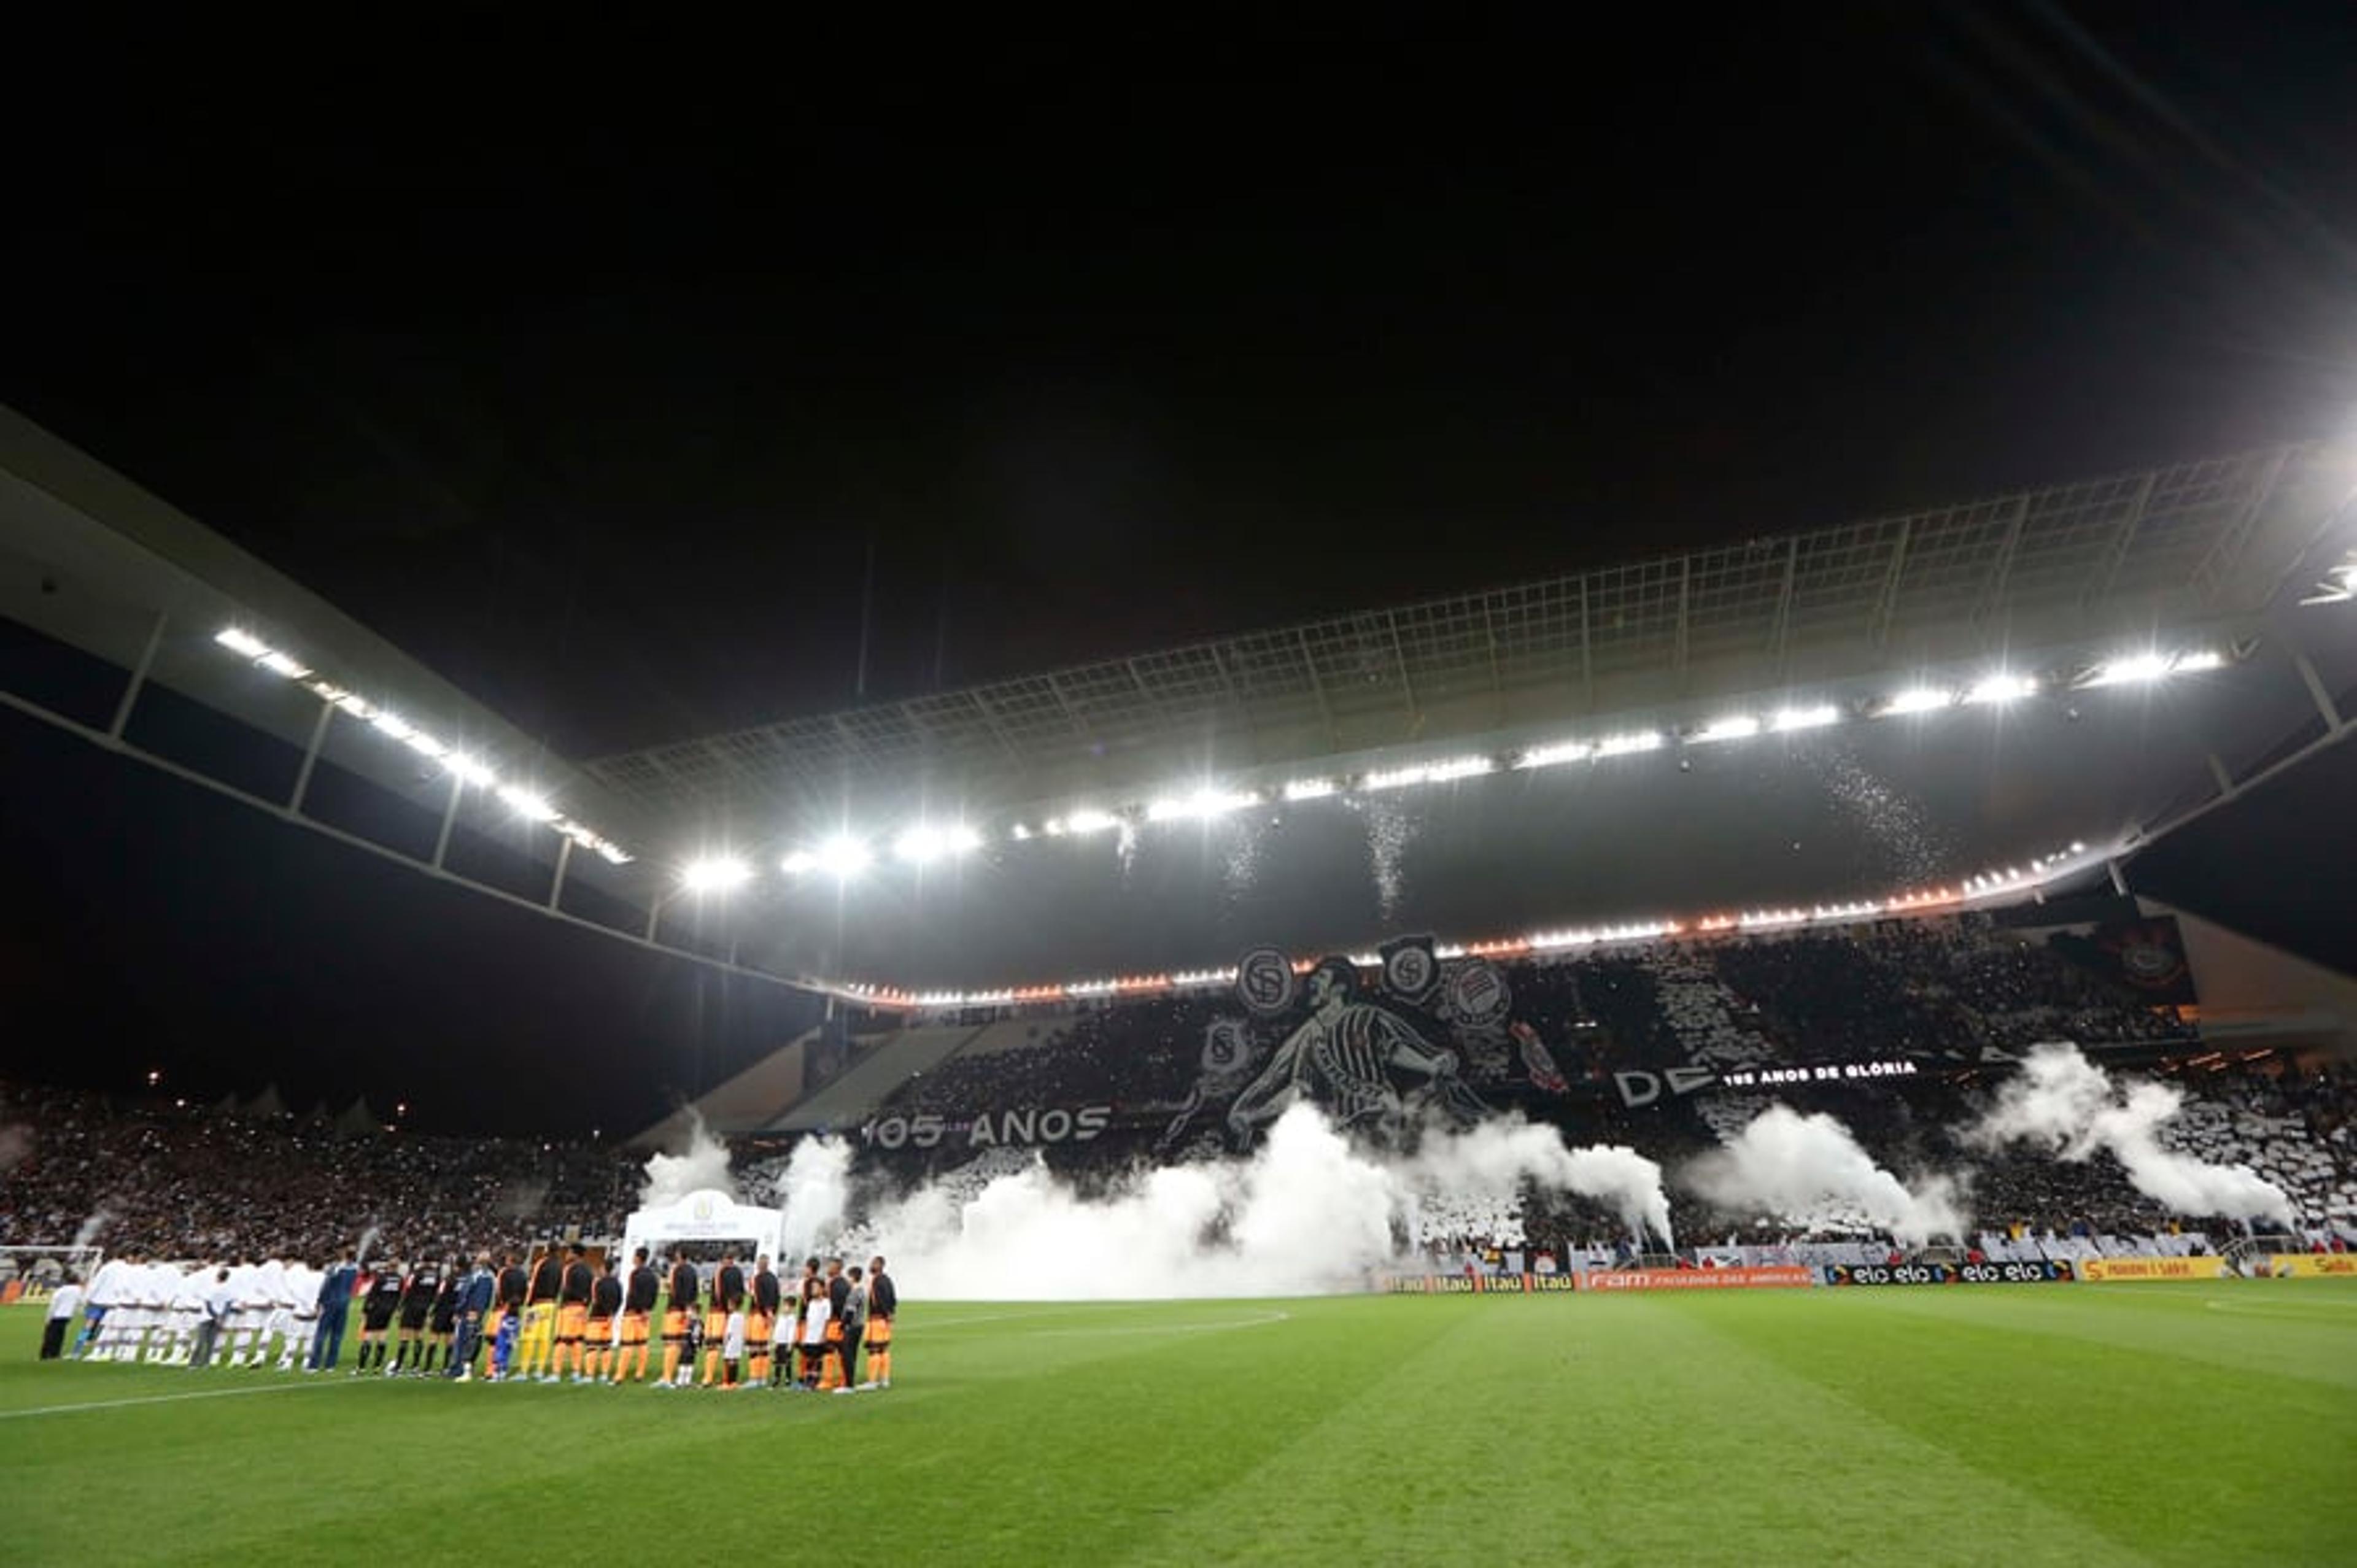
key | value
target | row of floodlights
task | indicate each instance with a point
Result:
(845, 856)
(2004, 878)
(1630, 933)
(469, 770)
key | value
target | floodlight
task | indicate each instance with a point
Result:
(1555, 754)
(1808, 718)
(1739, 726)
(469, 770)
(1309, 788)
(394, 725)
(798, 862)
(2136, 670)
(1089, 822)
(2000, 688)
(1021, 833)
(714, 874)
(239, 640)
(2199, 660)
(921, 845)
(1204, 803)
(278, 664)
(1918, 699)
(424, 744)
(525, 804)
(1628, 745)
(358, 706)
(843, 856)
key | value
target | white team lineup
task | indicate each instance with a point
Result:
(554, 1315)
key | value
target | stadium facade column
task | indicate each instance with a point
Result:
(310, 760)
(138, 679)
(449, 820)
(564, 861)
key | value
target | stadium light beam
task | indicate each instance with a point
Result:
(842, 857)
(714, 874)
(1995, 691)
(1739, 726)
(1917, 699)
(2134, 670)
(526, 804)
(924, 844)
(1817, 717)
(239, 640)
(1556, 754)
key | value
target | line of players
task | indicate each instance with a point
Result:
(557, 1323)
(556, 1318)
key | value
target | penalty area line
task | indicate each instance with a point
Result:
(156, 1399)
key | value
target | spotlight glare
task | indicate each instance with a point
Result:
(2199, 660)
(239, 640)
(278, 664)
(843, 858)
(1556, 754)
(714, 874)
(2136, 670)
(1918, 699)
(1628, 745)
(1084, 822)
(1808, 718)
(526, 804)
(799, 862)
(1309, 788)
(469, 770)
(2000, 688)
(923, 845)
(1739, 726)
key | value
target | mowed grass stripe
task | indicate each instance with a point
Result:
(2118, 1419)
(1617, 1430)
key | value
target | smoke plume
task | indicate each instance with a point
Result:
(16, 1143)
(1809, 1170)
(2061, 1102)
(702, 1167)
(1306, 1213)
(87, 1231)
(814, 1192)
(1497, 1156)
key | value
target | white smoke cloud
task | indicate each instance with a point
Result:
(702, 1167)
(16, 1144)
(1809, 1170)
(1497, 1156)
(87, 1231)
(814, 1193)
(2061, 1102)
(1307, 1213)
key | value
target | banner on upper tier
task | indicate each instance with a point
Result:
(1697, 1279)
(2292, 1265)
(2110, 1271)
(2040, 1272)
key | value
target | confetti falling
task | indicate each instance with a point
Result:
(1390, 829)
(1907, 846)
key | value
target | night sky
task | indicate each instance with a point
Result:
(603, 407)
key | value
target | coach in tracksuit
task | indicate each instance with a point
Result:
(335, 1306)
(475, 1292)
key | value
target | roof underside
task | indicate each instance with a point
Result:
(2182, 547)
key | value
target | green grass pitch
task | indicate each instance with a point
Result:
(2078, 1424)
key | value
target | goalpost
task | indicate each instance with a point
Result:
(30, 1273)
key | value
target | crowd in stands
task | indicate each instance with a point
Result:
(187, 1181)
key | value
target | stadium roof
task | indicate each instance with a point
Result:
(2192, 548)
(2232, 572)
